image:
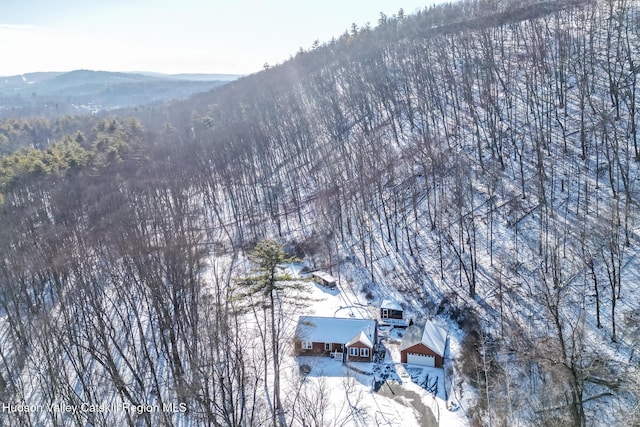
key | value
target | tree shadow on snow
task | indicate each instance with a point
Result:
(325, 366)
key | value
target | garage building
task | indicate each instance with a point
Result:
(424, 345)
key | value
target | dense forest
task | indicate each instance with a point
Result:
(479, 157)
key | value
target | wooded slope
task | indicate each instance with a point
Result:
(479, 158)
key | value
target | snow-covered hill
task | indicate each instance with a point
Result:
(477, 162)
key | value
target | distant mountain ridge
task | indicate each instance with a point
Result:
(192, 76)
(56, 93)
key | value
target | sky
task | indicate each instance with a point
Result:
(185, 36)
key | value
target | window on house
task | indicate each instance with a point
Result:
(364, 352)
(327, 346)
(353, 351)
(307, 345)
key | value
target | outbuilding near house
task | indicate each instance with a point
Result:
(424, 345)
(392, 313)
(390, 309)
(325, 279)
(347, 338)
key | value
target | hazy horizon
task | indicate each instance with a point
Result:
(143, 72)
(190, 37)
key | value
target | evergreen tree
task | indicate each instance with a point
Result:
(268, 288)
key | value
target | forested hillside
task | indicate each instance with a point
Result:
(479, 159)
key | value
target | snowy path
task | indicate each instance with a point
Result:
(410, 399)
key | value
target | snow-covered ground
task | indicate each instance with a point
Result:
(386, 392)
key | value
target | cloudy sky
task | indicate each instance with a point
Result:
(185, 36)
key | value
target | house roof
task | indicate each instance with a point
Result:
(391, 305)
(430, 335)
(324, 276)
(360, 338)
(335, 329)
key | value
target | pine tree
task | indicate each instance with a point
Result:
(268, 288)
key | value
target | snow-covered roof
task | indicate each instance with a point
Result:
(334, 329)
(324, 276)
(434, 337)
(391, 305)
(412, 336)
(360, 338)
(430, 335)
